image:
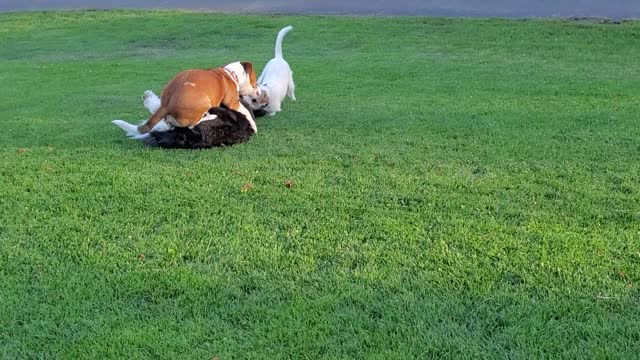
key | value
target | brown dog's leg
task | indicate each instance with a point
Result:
(153, 120)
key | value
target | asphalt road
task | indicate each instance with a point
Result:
(615, 9)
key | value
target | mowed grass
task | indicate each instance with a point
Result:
(461, 189)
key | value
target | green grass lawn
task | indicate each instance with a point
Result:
(462, 189)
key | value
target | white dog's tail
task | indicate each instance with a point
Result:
(281, 35)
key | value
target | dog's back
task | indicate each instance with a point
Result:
(192, 92)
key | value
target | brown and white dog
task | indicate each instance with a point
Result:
(186, 100)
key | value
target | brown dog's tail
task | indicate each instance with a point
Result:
(153, 120)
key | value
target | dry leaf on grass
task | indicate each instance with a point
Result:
(289, 184)
(248, 186)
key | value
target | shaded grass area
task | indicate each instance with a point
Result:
(462, 188)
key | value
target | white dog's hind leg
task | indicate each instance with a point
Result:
(151, 101)
(291, 87)
(130, 129)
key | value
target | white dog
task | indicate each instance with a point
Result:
(275, 82)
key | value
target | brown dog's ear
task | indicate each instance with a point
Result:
(248, 68)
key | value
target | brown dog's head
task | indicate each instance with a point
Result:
(246, 77)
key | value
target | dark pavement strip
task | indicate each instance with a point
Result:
(615, 9)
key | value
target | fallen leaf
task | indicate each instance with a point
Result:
(289, 184)
(248, 186)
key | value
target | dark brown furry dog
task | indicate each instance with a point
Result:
(228, 128)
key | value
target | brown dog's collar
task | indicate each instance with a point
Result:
(234, 77)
